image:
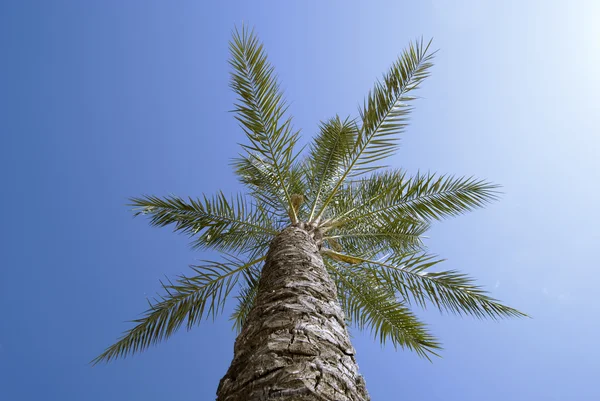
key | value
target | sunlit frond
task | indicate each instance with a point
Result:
(447, 290)
(187, 300)
(232, 225)
(394, 196)
(246, 297)
(260, 110)
(385, 112)
(368, 304)
(327, 157)
(360, 235)
(262, 181)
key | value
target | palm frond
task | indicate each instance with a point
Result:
(260, 110)
(371, 305)
(232, 225)
(341, 257)
(359, 236)
(449, 291)
(385, 112)
(262, 180)
(246, 297)
(188, 300)
(432, 196)
(328, 155)
(394, 196)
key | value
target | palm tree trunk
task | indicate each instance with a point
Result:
(294, 345)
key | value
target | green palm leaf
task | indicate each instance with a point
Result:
(246, 297)
(228, 225)
(369, 304)
(385, 112)
(327, 157)
(447, 290)
(188, 300)
(394, 196)
(260, 176)
(361, 235)
(260, 110)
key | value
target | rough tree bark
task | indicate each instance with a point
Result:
(294, 345)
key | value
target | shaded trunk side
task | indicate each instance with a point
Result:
(294, 345)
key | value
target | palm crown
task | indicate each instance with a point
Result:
(367, 219)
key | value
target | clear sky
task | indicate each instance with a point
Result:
(103, 100)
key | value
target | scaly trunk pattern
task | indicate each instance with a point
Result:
(294, 345)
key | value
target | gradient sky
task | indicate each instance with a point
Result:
(103, 100)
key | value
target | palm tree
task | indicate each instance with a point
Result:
(338, 236)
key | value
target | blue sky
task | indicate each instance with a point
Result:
(100, 101)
